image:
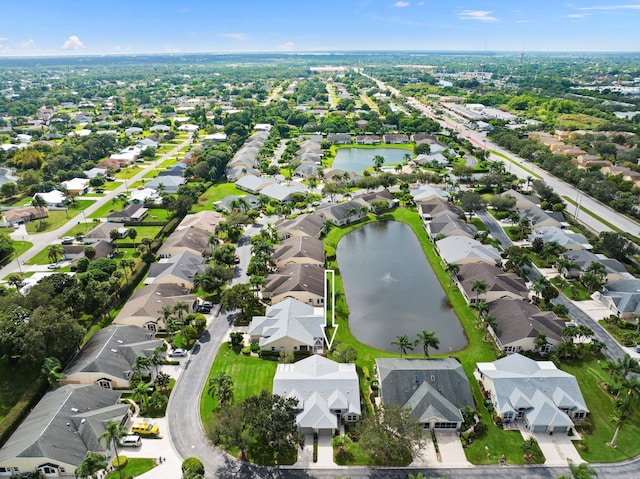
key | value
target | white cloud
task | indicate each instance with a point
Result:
(235, 36)
(631, 6)
(28, 43)
(578, 16)
(3, 39)
(73, 43)
(480, 15)
(286, 46)
(401, 4)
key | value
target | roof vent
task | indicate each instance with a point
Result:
(433, 378)
(120, 341)
(114, 350)
(74, 409)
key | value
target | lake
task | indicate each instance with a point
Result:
(391, 289)
(359, 159)
(5, 176)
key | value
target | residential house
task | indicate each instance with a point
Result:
(518, 324)
(538, 217)
(129, 214)
(24, 214)
(53, 197)
(500, 284)
(193, 240)
(103, 249)
(419, 138)
(395, 138)
(59, 431)
(176, 170)
(614, 269)
(299, 250)
(145, 307)
(434, 205)
(203, 220)
(435, 390)
(179, 269)
(565, 238)
(328, 392)
(339, 139)
(225, 204)
(381, 195)
(133, 130)
(341, 214)
(166, 184)
(422, 193)
(536, 393)
(253, 184)
(76, 186)
(367, 139)
(95, 172)
(522, 201)
(145, 195)
(301, 225)
(300, 281)
(107, 359)
(103, 232)
(281, 192)
(461, 250)
(307, 169)
(449, 223)
(621, 297)
(160, 129)
(290, 325)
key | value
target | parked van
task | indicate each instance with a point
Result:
(145, 429)
(131, 441)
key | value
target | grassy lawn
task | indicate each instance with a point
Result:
(23, 202)
(55, 220)
(111, 185)
(216, 193)
(250, 376)
(136, 466)
(127, 173)
(80, 228)
(105, 209)
(151, 174)
(593, 448)
(15, 379)
(487, 449)
(150, 231)
(20, 247)
(40, 258)
(157, 214)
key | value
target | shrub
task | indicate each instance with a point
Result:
(255, 347)
(120, 461)
(246, 350)
(192, 465)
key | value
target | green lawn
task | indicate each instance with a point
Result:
(108, 207)
(81, 227)
(157, 214)
(40, 258)
(54, 221)
(250, 376)
(111, 185)
(216, 193)
(127, 173)
(15, 379)
(20, 247)
(24, 201)
(136, 466)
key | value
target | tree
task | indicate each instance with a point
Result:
(9, 189)
(140, 363)
(480, 286)
(579, 471)
(541, 341)
(378, 161)
(566, 266)
(114, 235)
(114, 432)
(344, 353)
(51, 371)
(471, 201)
(192, 467)
(16, 280)
(54, 252)
(489, 322)
(617, 246)
(524, 224)
(620, 415)
(213, 278)
(89, 252)
(221, 388)
(162, 381)
(389, 434)
(132, 233)
(92, 463)
(180, 308)
(453, 269)
(403, 344)
(239, 296)
(40, 204)
(427, 339)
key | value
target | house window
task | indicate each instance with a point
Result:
(273, 348)
(446, 425)
(510, 349)
(579, 415)
(352, 417)
(49, 470)
(104, 383)
(295, 348)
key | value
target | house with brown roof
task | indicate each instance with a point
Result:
(500, 284)
(449, 223)
(395, 139)
(434, 205)
(301, 225)
(203, 220)
(24, 214)
(299, 250)
(194, 240)
(299, 281)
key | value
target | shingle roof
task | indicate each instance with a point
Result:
(191, 239)
(496, 279)
(299, 246)
(184, 265)
(584, 258)
(146, 303)
(296, 277)
(517, 319)
(311, 225)
(459, 248)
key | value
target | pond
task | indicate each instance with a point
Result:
(359, 159)
(6, 176)
(391, 289)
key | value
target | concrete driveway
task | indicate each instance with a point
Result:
(557, 448)
(451, 452)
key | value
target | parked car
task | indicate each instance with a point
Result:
(204, 307)
(236, 260)
(132, 440)
(68, 240)
(54, 266)
(178, 353)
(145, 429)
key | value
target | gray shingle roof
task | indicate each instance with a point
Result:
(516, 319)
(296, 277)
(455, 249)
(496, 279)
(299, 246)
(311, 225)
(185, 265)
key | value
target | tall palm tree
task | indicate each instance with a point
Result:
(480, 286)
(566, 266)
(403, 344)
(132, 234)
(489, 322)
(156, 358)
(114, 431)
(180, 308)
(54, 252)
(427, 339)
(453, 269)
(39, 203)
(51, 371)
(620, 415)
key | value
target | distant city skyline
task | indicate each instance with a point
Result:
(73, 27)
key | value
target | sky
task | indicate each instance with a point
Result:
(90, 27)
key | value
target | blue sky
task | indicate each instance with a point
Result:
(59, 27)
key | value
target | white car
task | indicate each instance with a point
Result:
(178, 353)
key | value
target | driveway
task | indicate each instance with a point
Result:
(451, 452)
(557, 448)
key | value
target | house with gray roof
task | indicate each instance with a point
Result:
(108, 357)
(522, 200)
(303, 282)
(539, 217)
(621, 297)
(435, 390)
(461, 250)
(307, 169)
(434, 205)
(167, 184)
(449, 223)
(339, 139)
(500, 284)
(225, 203)
(253, 184)
(518, 323)
(535, 393)
(299, 250)
(614, 269)
(565, 238)
(281, 192)
(59, 431)
(424, 192)
(289, 325)
(301, 225)
(129, 214)
(145, 306)
(341, 214)
(328, 392)
(179, 269)
(432, 158)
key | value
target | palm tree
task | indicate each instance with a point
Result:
(114, 431)
(403, 344)
(221, 387)
(480, 286)
(427, 339)
(51, 371)
(39, 203)
(524, 224)
(453, 269)
(180, 308)
(620, 415)
(483, 308)
(541, 341)
(489, 322)
(132, 234)
(613, 367)
(92, 463)
(378, 161)
(54, 252)
(140, 363)
(565, 266)
(156, 358)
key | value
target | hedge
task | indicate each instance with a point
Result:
(20, 410)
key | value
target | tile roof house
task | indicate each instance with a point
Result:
(542, 397)
(59, 431)
(300, 281)
(108, 357)
(518, 324)
(193, 240)
(500, 284)
(24, 214)
(299, 250)
(435, 390)
(178, 269)
(290, 325)
(301, 225)
(328, 392)
(144, 308)
(461, 250)
(621, 297)
(565, 238)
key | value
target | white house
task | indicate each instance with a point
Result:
(53, 197)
